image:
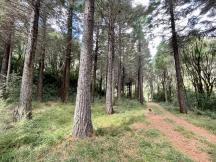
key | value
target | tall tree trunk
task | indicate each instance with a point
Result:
(119, 64)
(5, 59)
(130, 90)
(151, 90)
(24, 109)
(140, 74)
(123, 81)
(8, 70)
(180, 84)
(109, 88)
(165, 85)
(82, 116)
(94, 77)
(66, 72)
(41, 62)
(101, 84)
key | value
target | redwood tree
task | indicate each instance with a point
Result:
(82, 116)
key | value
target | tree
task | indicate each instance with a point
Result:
(66, 71)
(5, 64)
(95, 61)
(199, 60)
(82, 116)
(42, 59)
(110, 61)
(180, 84)
(24, 109)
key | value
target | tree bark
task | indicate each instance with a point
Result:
(130, 90)
(94, 77)
(41, 62)
(119, 65)
(140, 74)
(123, 81)
(66, 72)
(165, 87)
(109, 88)
(24, 109)
(180, 84)
(82, 116)
(8, 70)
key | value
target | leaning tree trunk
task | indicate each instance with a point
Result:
(41, 62)
(24, 109)
(180, 84)
(94, 76)
(66, 72)
(82, 115)
(109, 87)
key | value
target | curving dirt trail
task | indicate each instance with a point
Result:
(192, 147)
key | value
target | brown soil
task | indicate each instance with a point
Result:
(190, 147)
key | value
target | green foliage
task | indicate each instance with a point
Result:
(159, 96)
(13, 88)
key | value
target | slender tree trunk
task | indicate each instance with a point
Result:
(94, 77)
(66, 71)
(8, 70)
(165, 85)
(119, 64)
(180, 84)
(140, 74)
(109, 88)
(101, 84)
(151, 90)
(130, 90)
(5, 59)
(82, 116)
(123, 81)
(41, 62)
(24, 109)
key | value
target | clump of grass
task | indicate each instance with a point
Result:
(152, 133)
(210, 149)
(168, 120)
(28, 139)
(184, 132)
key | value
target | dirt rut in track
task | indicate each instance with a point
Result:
(188, 146)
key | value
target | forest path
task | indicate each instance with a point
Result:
(184, 136)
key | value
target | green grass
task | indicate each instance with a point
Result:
(184, 132)
(204, 121)
(47, 136)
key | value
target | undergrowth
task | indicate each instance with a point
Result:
(47, 136)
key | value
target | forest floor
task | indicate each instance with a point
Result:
(133, 133)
